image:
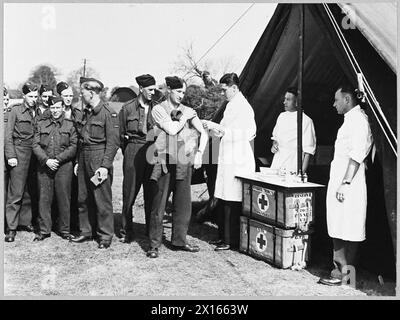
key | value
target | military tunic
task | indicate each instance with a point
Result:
(98, 133)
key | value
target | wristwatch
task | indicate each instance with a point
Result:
(345, 182)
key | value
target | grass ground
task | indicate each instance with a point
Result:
(56, 267)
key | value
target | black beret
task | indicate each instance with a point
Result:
(29, 87)
(44, 88)
(5, 91)
(61, 86)
(84, 79)
(145, 80)
(174, 82)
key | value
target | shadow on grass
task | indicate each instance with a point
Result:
(139, 232)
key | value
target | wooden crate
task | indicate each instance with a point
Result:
(280, 206)
(280, 247)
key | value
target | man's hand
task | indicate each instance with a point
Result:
(189, 113)
(52, 164)
(274, 148)
(198, 160)
(102, 173)
(76, 170)
(341, 192)
(13, 162)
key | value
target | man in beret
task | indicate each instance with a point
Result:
(98, 133)
(136, 126)
(18, 151)
(46, 99)
(176, 172)
(75, 114)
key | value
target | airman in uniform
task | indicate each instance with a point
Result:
(98, 133)
(135, 123)
(75, 114)
(54, 145)
(18, 152)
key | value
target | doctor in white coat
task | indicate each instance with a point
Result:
(284, 136)
(346, 198)
(237, 129)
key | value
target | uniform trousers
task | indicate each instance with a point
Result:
(182, 207)
(56, 183)
(137, 171)
(95, 202)
(22, 200)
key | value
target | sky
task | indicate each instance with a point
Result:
(121, 41)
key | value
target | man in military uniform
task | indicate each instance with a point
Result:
(67, 95)
(18, 152)
(6, 109)
(75, 114)
(136, 124)
(54, 145)
(98, 133)
(46, 99)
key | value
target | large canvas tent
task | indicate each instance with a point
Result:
(370, 30)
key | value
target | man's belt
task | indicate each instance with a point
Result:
(23, 142)
(100, 146)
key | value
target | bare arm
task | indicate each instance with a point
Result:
(203, 134)
(306, 160)
(351, 171)
(165, 122)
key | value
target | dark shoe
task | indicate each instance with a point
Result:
(222, 247)
(10, 236)
(215, 242)
(81, 239)
(127, 238)
(104, 244)
(29, 228)
(187, 248)
(41, 236)
(331, 281)
(152, 253)
(66, 236)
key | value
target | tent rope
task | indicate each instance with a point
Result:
(221, 37)
(355, 65)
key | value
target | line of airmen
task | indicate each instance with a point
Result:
(56, 150)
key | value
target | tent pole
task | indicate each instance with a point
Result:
(300, 97)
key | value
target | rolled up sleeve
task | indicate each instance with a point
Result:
(361, 140)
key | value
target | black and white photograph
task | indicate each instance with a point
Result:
(199, 150)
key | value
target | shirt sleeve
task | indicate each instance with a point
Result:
(276, 128)
(360, 139)
(112, 139)
(37, 149)
(164, 121)
(309, 140)
(9, 143)
(122, 126)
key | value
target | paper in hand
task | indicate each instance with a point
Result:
(97, 179)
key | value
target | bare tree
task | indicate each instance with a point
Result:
(190, 66)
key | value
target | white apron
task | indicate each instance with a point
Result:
(346, 220)
(235, 151)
